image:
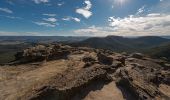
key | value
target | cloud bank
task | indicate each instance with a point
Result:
(150, 24)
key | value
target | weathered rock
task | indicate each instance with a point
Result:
(166, 66)
(119, 58)
(124, 53)
(40, 53)
(116, 64)
(161, 78)
(89, 59)
(138, 65)
(137, 55)
(136, 75)
(139, 89)
(66, 85)
(88, 64)
(102, 58)
(141, 78)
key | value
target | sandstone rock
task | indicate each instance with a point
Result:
(116, 64)
(136, 75)
(102, 58)
(137, 55)
(89, 59)
(40, 53)
(166, 66)
(67, 84)
(124, 53)
(120, 58)
(141, 78)
(138, 65)
(139, 89)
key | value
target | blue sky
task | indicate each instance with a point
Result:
(84, 17)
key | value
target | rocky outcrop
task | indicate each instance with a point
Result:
(66, 85)
(135, 74)
(41, 53)
(142, 78)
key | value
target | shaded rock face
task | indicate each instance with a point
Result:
(104, 59)
(137, 76)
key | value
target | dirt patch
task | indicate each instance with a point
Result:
(19, 85)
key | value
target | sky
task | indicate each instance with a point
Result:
(84, 17)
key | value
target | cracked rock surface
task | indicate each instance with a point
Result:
(61, 72)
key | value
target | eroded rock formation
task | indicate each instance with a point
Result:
(136, 75)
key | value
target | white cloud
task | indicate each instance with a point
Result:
(76, 19)
(141, 10)
(154, 15)
(66, 18)
(144, 23)
(69, 18)
(40, 1)
(11, 17)
(48, 22)
(50, 15)
(52, 20)
(60, 4)
(95, 31)
(85, 10)
(89, 5)
(6, 10)
(150, 24)
(90, 31)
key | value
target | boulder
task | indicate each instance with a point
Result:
(102, 58)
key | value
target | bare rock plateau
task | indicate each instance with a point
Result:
(62, 72)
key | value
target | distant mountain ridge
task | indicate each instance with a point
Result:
(41, 39)
(121, 44)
